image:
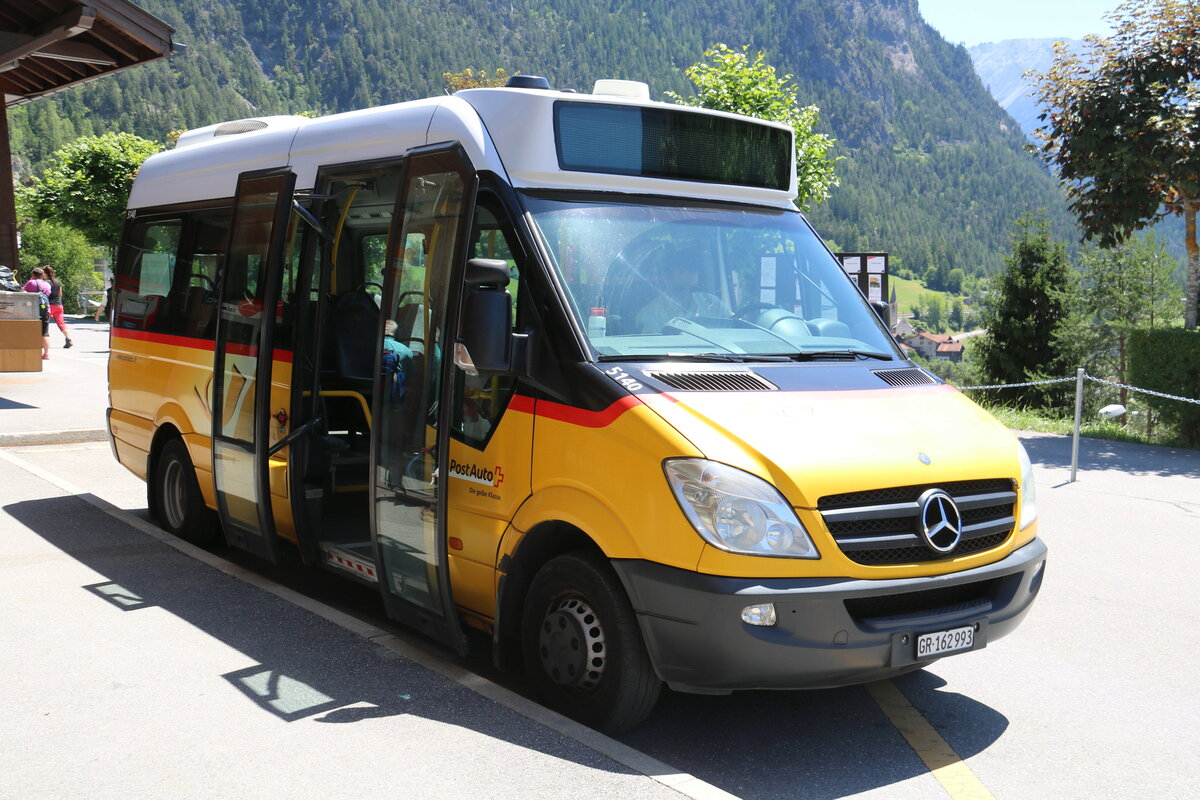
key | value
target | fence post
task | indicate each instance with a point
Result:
(1079, 373)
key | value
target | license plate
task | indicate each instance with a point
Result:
(941, 642)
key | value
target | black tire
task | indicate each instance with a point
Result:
(583, 649)
(178, 504)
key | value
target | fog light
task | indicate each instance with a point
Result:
(762, 614)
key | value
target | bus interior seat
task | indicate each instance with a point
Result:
(408, 318)
(829, 327)
(624, 293)
(198, 313)
(783, 322)
(355, 321)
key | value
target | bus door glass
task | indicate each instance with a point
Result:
(249, 290)
(425, 253)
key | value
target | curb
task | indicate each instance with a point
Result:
(53, 437)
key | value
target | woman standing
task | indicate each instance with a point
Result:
(38, 284)
(56, 303)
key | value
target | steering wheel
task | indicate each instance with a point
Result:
(205, 278)
(755, 306)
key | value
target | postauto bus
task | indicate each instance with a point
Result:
(569, 369)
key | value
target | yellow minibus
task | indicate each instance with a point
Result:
(569, 369)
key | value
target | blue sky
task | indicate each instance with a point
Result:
(973, 22)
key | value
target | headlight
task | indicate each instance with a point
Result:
(736, 511)
(1028, 498)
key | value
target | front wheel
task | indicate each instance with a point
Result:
(179, 505)
(583, 650)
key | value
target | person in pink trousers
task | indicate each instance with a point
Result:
(56, 304)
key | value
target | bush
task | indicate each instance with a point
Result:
(1168, 361)
(65, 249)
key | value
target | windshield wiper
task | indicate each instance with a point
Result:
(848, 352)
(734, 358)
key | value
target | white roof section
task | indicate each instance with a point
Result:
(507, 131)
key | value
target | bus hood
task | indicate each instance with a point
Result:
(810, 444)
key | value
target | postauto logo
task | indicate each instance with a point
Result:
(488, 476)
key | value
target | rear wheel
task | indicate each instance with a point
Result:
(179, 505)
(583, 650)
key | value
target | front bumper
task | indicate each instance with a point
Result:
(830, 631)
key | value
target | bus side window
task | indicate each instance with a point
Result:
(208, 236)
(145, 275)
(481, 401)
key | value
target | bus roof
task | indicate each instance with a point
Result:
(510, 131)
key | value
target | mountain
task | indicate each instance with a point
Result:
(932, 169)
(1001, 67)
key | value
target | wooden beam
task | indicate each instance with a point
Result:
(8, 205)
(64, 27)
(77, 51)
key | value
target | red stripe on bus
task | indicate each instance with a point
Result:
(206, 345)
(583, 417)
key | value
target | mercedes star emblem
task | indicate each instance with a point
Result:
(940, 522)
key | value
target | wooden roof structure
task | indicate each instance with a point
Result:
(49, 45)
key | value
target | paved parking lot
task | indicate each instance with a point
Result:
(135, 669)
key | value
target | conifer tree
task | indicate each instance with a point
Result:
(1024, 312)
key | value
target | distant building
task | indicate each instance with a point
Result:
(935, 345)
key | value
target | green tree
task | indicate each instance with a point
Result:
(87, 184)
(1121, 289)
(957, 318)
(1023, 313)
(728, 80)
(1123, 123)
(933, 312)
(473, 79)
(954, 280)
(65, 249)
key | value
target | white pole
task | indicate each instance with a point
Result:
(1079, 373)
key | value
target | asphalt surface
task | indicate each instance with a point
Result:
(137, 667)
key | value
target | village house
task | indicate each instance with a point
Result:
(935, 345)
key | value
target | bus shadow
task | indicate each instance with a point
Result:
(304, 667)
(1104, 455)
(813, 744)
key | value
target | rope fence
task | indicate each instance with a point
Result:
(1137, 389)
(1081, 376)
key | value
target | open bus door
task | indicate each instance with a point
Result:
(410, 454)
(244, 359)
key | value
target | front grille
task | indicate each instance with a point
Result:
(947, 600)
(713, 381)
(882, 526)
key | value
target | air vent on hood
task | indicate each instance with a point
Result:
(905, 377)
(715, 381)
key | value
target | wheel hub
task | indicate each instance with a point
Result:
(174, 495)
(571, 644)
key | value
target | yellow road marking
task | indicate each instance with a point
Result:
(955, 776)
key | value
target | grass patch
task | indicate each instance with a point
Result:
(909, 292)
(1023, 419)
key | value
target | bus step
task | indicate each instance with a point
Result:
(357, 558)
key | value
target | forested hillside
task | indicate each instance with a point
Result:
(933, 169)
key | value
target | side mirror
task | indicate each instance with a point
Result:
(485, 342)
(881, 311)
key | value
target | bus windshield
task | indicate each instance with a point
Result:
(669, 280)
